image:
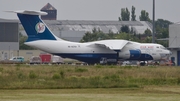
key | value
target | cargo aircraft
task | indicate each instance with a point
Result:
(40, 37)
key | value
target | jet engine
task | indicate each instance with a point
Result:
(130, 54)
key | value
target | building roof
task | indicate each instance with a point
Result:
(87, 25)
(10, 21)
(48, 6)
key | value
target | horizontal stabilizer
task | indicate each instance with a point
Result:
(29, 12)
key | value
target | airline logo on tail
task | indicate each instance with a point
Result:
(40, 27)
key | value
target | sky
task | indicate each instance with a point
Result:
(95, 9)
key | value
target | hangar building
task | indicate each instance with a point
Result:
(9, 38)
(74, 30)
(174, 42)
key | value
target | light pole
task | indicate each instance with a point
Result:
(153, 33)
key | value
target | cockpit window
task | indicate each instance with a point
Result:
(162, 47)
(157, 47)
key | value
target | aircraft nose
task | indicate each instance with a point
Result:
(166, 54)
(170, 53)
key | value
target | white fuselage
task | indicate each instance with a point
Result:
(83, 51)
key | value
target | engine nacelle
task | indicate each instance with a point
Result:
(135, 54)
(131, 54)
(124, 54)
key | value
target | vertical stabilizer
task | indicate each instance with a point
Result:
(35, 28)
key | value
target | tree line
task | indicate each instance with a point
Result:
(125, 15)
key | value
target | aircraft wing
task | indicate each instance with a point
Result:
(112, 44)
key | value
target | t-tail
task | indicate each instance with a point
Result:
(35, 28)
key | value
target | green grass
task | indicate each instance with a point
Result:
(88, 83)
(100, 76)
(166, 93)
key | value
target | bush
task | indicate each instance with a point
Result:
(1, 69)
(17, 68)
(96, 81)
(112, 66)
(99, 66)
(32, 75)
(18, 65)
(20, 75)
(128, 67)
(56, 76)
(81, 70)
(178, 81)
(62, 74)
(152, 66)
(115, 77)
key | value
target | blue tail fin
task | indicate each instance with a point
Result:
(35, 27)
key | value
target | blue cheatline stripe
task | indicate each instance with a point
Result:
(29, 23)
(95, 58)
(143, 57)
(88, 57)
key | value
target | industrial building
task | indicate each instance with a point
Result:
(9, 38)
(174, 42)
(52, 12)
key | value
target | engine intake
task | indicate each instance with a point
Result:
(135, 54)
